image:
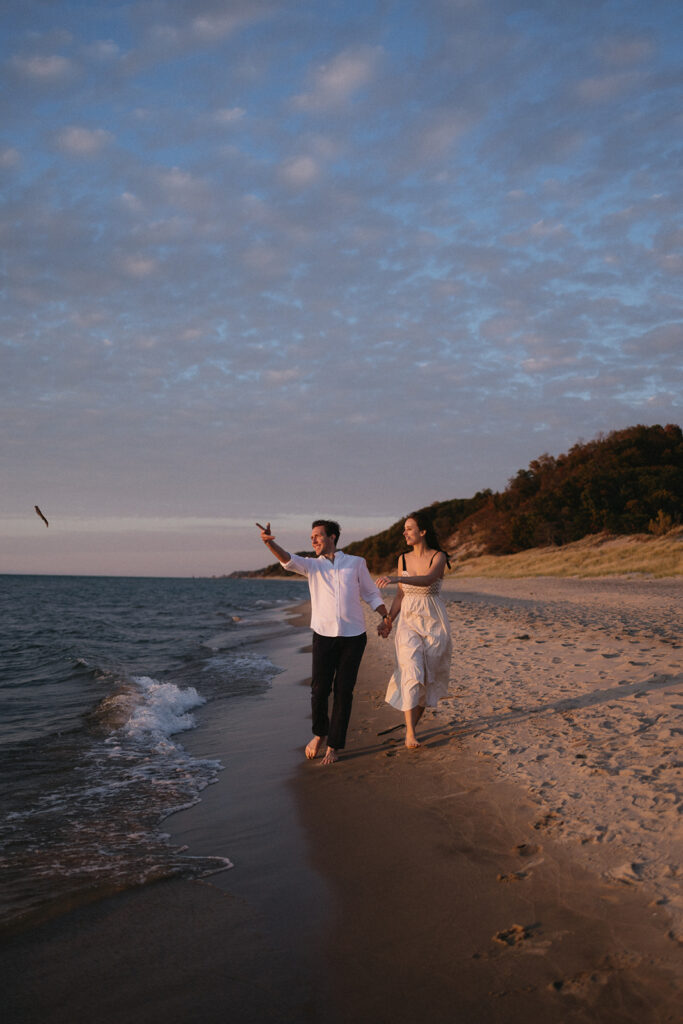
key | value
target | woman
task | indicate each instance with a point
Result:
(423, 635)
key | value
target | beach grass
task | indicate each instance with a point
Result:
(597, 555)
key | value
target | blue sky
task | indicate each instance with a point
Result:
(275, 261)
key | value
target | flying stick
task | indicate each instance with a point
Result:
(38, 512)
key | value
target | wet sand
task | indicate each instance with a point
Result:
(524, 861)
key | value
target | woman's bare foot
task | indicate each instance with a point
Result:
(413, 716)
(330, 757)
(312, 747)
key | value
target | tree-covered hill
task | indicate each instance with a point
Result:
(626, 482)
(629, 481)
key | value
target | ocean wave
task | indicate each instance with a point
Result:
(164, 710)
(97, 826)
(96, 694)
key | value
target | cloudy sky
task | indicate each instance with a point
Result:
(269, 260)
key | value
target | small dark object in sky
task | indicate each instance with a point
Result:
(41, 515)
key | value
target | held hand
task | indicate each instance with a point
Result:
(383, 581)
(266, 535)
(384, 629)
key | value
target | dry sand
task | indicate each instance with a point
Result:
(575, 690)
(525, 861)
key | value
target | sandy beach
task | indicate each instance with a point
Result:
(526, 860)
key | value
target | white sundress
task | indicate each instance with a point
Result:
(423, 649)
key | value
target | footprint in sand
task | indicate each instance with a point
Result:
(548, 821)
(627, 873)
(515, 934)
(513, 876)
(526, 850)
(582, 984)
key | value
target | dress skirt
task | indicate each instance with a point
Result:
(423, 652)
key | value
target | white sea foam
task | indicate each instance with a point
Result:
(164, 710)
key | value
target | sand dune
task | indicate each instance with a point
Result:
(596, 555)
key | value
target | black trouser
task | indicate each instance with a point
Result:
(336, 660)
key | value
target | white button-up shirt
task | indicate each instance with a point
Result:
(337, 588)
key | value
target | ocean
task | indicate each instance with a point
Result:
(99, 679)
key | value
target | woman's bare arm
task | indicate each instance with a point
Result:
(435, 573)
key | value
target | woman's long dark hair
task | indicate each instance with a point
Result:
(431, 540)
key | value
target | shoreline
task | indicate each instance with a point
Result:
(396, 884)
(187, 950)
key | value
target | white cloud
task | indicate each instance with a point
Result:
(336, 82)
(185, 27)
(183, 190)
(103, 50)
(264, 259)
(213, 27)
(44, 68)
(165, 35)
(131, 202)
(440, 131)
(544, 229)
(139, 266)
(300, 171)
(181, 185)
(227, 116)
(78, 141)
(277, 377)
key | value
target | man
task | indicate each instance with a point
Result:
(337, 583)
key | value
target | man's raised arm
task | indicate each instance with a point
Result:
(275, 549)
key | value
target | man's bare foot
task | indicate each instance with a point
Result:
(330, 757)
(312, 747)
(412, 742)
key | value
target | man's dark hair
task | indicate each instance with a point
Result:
(331, 528)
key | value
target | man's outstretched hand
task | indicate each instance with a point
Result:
(266, 535)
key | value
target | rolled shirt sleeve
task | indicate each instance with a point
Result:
(368, 590)
(297, 563)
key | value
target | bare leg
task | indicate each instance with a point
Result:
(313, 746)
(330, 757)
(413, 716)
